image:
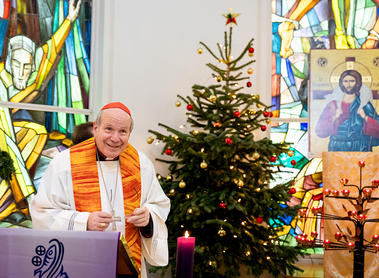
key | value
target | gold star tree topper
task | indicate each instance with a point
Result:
(231, 18)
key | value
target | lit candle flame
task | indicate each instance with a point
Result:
(186, 234)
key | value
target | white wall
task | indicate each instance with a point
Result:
(145, 53)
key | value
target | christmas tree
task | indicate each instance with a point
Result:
(219, 176)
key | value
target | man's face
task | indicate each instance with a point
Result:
(113, 133)
(21, 64)
(349, 83)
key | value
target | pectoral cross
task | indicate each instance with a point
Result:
(115, 218)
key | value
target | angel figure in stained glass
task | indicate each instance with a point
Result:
(23, 75)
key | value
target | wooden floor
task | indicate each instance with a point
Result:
(310, 270)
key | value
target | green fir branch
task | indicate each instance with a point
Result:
(243, 66)
(6, 166)
(249, 44)
(210, 51)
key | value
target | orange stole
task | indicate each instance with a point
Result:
(85, 180)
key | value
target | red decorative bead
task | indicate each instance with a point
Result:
(237, 114)
(189, 107)
(344, 181)
(168, 151)
(266, 114)
(251, 50)
(228, 141)
(263, 128)
(222, 205)
(345, 192)
(272, 159)
(270, 115)
(259, 220)
(293, 162)
(326, 243)
(248, 84)
(292, 191)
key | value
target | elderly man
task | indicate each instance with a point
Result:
(352, 127)
(98, 183)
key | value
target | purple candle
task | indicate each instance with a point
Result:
(185, 257)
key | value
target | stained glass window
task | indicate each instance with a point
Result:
(298, 26)
(44, 91)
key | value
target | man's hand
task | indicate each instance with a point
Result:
(139, 218)
(73, 11)
(362, 113)
(338, 113)
(99, 221)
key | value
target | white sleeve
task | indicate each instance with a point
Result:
(155, 248)
(54, 207)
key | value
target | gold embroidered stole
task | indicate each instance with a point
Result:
(85, 180)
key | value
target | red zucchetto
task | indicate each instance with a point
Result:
(117, 105)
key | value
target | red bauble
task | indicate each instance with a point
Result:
(237, 114)
(222, 206)
(266, 114)
(259, 220)
(189, 107)
(293, 162)
(248, 84)
(263, 128)
(228, 141)
(168, 151)
(270, 115)
(251, 50)
(272, 159)
(292, 191)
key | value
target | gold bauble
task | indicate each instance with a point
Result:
(203, 165)
(200, 50)
(290, 153)
(259, 105)
(268, 121)
(240, 183)
(218, 78)
(150, 140)
(250, 71)
(182, 184)
(195, 132)
(217, 124)
(221, 232)
(256, 96)
(256, 155)
(169, 177)
(252, 111)
(251, 54)
(212, 98)
(178, 103)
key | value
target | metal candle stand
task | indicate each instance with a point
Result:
(358, 217)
